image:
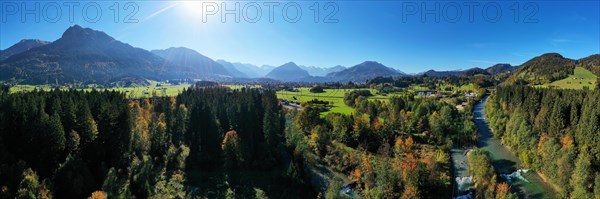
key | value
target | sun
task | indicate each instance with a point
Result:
(194, 8)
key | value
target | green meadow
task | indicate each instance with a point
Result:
(578, 80)
(335, 97)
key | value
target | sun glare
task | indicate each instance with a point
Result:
(194, 8)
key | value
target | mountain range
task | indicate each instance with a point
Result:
(492, 70)
(321, 72)
(82, 55)
(246, 70)
(90, 56)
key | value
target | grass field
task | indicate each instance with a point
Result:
(334, 96)
(578, 80)
(130, 92)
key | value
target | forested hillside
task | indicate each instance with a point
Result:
(543, 69)
(554, 132)
(550, 67)
(591, 63)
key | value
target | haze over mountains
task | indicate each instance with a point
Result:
(318, 71)
(90, 56)
(288, 72)
(191, 63)
(248, 70)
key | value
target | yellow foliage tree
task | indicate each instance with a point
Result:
(98, 195)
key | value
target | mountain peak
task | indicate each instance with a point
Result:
(21, 46)
(370, 62)
(181, 48)
(500, 68)
(288, 72)
(73, 30)
(33, 41)
(552, 55)
(78, 33)
(289, 64)
(363, 71)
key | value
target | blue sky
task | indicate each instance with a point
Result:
(391, 32)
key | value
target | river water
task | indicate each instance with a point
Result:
(503, 160)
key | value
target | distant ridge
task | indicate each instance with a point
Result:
(21, 46)
(321, 71)
(232, 69)
(192, 64)
(500, 68)
(362, 72)
(288, 72)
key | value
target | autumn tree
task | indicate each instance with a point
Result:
(231, 150)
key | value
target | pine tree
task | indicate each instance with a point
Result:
(582, 176)
(56, 135)
(86, 126)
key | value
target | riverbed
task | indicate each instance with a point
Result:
(503, 160)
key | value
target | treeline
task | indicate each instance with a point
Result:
(400, 151)
(554, 132)
(435, 82)
(73, 144)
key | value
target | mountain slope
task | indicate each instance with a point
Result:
(542, 69)
(591, 63)
(434, 73)
(580, 78)
(492, 70)
(190, 63)
(82, 55)
(232, 69)
(288, 72)
(475, 71)
(252, 71)
(499, 69)
(362, 72)
(20, 47)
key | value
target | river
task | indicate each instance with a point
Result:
(503, 160)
